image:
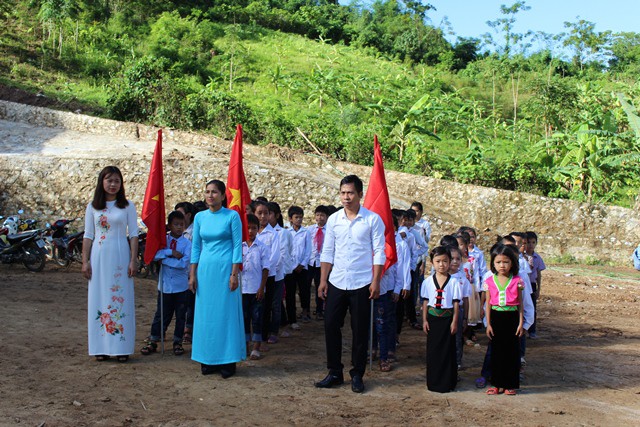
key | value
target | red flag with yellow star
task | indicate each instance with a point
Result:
(377, 200)
(238, 196)
(153, 211)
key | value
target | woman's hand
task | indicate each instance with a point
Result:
(193, 283)
(233, 282)
(86, 270)
(133, 268)
(489, 332)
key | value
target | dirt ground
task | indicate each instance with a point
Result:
(583, 370)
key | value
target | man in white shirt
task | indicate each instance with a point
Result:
(351, 266)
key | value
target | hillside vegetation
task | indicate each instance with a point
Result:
(323, 77)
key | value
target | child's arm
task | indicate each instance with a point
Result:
(487, 312)
(520, 330)
(465, 306)
(263, 283)
(539, 284)
(456, 313)
(425, 322)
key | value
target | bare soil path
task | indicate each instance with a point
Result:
(583, 370)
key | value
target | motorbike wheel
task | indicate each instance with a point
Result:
(75, 255)
(59, 256)
(34, 259)
(143, 269)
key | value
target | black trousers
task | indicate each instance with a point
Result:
(171, 303)
(292, 282)
(313, 275)
(359, 306)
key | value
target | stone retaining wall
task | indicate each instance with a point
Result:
(60, 186)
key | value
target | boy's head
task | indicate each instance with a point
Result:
(532, 242)
(199, 206)
(176, 223)
(188, 210)
(506, 240)
(253, 225)
(409, 218)
(296, 215)
(395, 222)
(261, 212)
(472, 235)
(521, 240)
(321, 214)
(449, 240)
(508, 251)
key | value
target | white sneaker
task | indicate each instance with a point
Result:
(285, 334)
(295, 326)
(523, 362)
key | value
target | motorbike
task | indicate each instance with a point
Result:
(65, 248)
(27, 247)
(144, 269)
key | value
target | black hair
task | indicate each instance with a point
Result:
(397, 213)
(518, 234)
(295, 210)
(100, 196)
(275, 208)
(395, 221)
(199, 206)
(175, 215)
(418, 205)
(532, 235)
(252, 219)
(321, 209)
(331, 210)
(466, 238)
(449, 240)
(261, 199)
(455, 249)
(509, 251)
(468, 230)
(258, 202)
(409, 213)
(221, 188)
(502, 239)
(439, 250)
(251, 207)
(187, 207)
(353, 179)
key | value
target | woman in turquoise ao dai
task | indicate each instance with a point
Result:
(216, 257)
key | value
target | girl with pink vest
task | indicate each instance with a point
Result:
(504, 319)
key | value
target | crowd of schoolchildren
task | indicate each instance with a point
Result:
(451, 287)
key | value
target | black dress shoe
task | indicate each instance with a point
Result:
(330, 380)
(209, 369)
(228, 370)
(357, 386)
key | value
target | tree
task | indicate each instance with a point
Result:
(504, 27)
(587, 44)
(625, 51)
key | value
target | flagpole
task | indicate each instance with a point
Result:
(161, 283)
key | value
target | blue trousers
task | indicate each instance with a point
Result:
(382, 323)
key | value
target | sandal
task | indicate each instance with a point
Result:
(385, 366)
(272, 339)
(177, 349)
(510, 392)
(481, 382)
(102, 358)
(122, 359)
(492, 391)
(151, 347)
(187, 336)
(255, 355)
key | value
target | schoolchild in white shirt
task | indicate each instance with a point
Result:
(284, 261)
(189, 211)
(418, 249)
(297, 280)
(455, 269)
(268, 236)
(472, 273)
(253, 278)
(316, 233)
(474, 251)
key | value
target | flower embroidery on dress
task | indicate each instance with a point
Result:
(111, 317)
(104, 226)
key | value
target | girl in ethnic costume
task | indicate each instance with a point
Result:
(441, 293)
(505, 320)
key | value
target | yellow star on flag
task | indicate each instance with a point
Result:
(156, 198)
(235, 197)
